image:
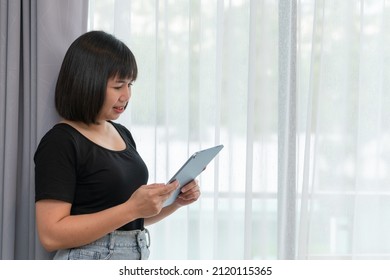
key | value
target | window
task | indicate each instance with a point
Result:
(209, 74)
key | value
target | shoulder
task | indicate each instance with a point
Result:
(60, 133)
(61, 138)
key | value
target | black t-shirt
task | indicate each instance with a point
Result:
(71, 168)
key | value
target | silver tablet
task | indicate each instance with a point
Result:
(191, 169)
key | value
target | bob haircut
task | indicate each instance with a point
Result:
(91, 60)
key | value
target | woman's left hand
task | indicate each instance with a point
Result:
(189, 194)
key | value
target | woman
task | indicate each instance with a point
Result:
(92, 197)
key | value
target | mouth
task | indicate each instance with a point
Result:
(119, 109)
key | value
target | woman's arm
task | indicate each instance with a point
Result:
(58, 229)
(189, 194)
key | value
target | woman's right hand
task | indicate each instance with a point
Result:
(148, 200)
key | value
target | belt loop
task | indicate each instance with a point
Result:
(111, 241)
(147, 236)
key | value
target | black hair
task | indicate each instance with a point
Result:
(90, 61)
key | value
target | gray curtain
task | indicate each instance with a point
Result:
(34, 36)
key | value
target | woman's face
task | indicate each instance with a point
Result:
(118, 94)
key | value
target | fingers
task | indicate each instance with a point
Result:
(162, 189)
(191, 191)
(172, 186)
(190, 186)
(166, 191)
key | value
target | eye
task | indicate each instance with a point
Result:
(118, 86)
(130, 84)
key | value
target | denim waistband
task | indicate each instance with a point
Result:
(119, 238)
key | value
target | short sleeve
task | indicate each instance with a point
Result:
(55, 166)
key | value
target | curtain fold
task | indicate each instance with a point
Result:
(309, 139)
(34, 37)
(10, 71)
(287, 123)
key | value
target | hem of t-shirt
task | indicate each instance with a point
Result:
(53, 197)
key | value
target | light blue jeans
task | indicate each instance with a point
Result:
(118, 245)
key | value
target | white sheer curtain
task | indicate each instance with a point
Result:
(297, 93)
(208, 74)
(343, 129)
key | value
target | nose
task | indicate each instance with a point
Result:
(126, 94)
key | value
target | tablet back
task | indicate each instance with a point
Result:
(192, 168)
